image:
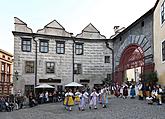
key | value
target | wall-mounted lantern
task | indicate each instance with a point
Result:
(16, 74)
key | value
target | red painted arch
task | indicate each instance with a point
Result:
(132, 57)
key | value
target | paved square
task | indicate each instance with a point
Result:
(118, 108)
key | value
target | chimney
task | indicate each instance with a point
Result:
(116, 29)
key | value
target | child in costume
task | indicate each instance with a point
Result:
(132, 91)
(68, 101)
(93, 101)
(77, 97)
(104, 95)
(83, 98)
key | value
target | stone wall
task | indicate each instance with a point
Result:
(93, 66)
(136, 34)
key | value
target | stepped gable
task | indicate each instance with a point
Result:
(90, 32)
(54, 28)
(21, 26)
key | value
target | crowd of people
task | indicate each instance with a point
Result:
(18, 101)
(152, 93)
(9, 103)
(86, 98)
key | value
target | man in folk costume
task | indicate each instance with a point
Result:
(156, 94)
(83, 98)
(140, 89)
(93, 100)
(68, 101)
(132, 91)
(77, 97)
(104, 95)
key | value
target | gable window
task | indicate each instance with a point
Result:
(79, 48)
(163, 50)
(77, 69)
(26, 44)
(50, 66)
(60, 47)
(107, 59)
(44, 46)
(29, 66)
(162, 12)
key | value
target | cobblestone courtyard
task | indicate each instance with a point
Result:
(117, 109)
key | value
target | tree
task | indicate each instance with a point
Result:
(107, 81)
(150, 77)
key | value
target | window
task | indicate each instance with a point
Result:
(8, 78)
(26, 44)
(163, 50)
(163, 12)
(8, 68)
(107, 59)
(120, 38)
(109, 76)
(79, 48)
(28, 89)
(50, 67)
(60, 47)
(29, 67)
(77, 69)
(142, 24)
(44, 46)
(3, 67)
(3, 77)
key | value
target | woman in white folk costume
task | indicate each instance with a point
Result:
(77, 97)
(104, 95)
(68, 101)
(86, 99)
(93, 101)
(83, 98)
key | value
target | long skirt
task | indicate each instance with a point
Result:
(77, 99)
(82, 102)
(93, 101)
(68, 101)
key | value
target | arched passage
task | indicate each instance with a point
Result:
(132, 57)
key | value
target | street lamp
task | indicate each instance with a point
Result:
(16, 74)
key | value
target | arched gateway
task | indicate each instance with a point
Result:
(134, 53)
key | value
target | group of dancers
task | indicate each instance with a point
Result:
(83, 98)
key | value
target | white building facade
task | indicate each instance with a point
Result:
(55, 61)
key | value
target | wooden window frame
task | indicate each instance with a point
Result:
(30, 68)
(79, 50)
(48, 72)
(107, 61)
(60, 48)
(26, 44)
(44, 46)
(78, 68)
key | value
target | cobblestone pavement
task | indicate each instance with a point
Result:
(118, 108)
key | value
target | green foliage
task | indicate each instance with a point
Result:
(107, 81)
(150, 77)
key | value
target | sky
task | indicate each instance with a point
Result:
(73, 15)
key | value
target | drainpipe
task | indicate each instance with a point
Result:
(107, 45)
(72, 56)
(35, 84)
